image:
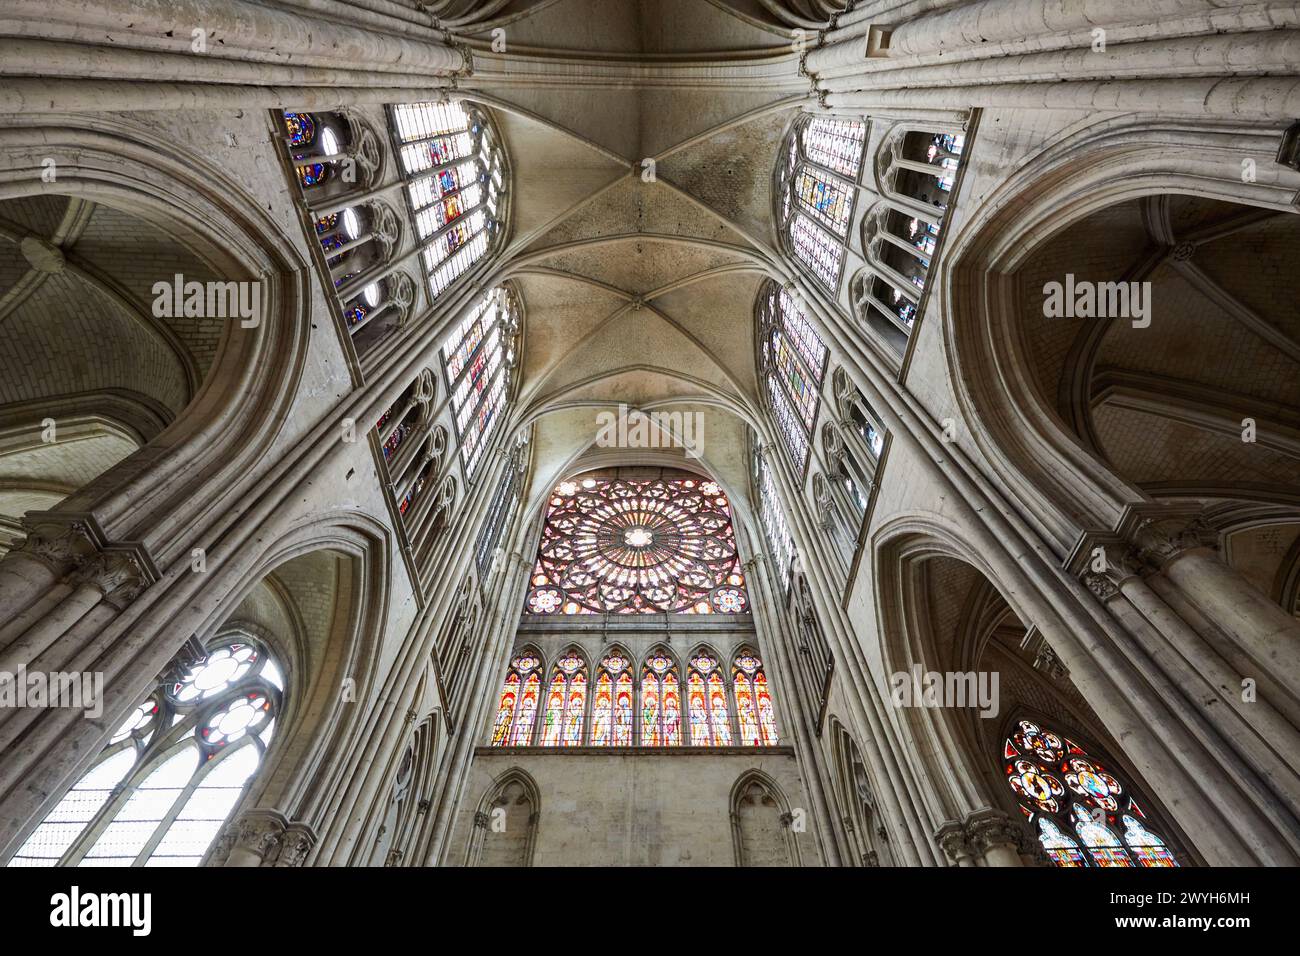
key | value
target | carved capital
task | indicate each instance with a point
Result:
(988, 828)
(951, 836)
(118, 574)
(258, 834)
(58, 546)
(1100, 585)
(1028, 846)
(296, 844)
(1160, 540)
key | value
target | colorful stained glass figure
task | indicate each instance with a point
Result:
(1033, 784)
(1093, 784)
(672, 710)
(505, 709)
(623, 711)
(661, 703)
(575, 710)
(301, 128)
(1044, 768)
(697, 710)
(754, 711)
(327, 223)
(554, 716)
(522, 732)
(719, 718)
(625, 546)
(1148, 848)
(602, 710)
(817, 186)
(651, 719)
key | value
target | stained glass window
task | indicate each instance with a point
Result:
(1078, 806)
(455, 175)
(661, 702)
(775, 530)
(475, 357)
(706, 707)
(835, 144)
(638, 546)
(818, 186)
(612, 709)
(162, 788)
(566, 702)
(793, 359)
(647, 705)
(754, 711)
(517, 706)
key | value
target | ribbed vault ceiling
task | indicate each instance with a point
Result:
(639, 289)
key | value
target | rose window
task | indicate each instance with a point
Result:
(625, 546)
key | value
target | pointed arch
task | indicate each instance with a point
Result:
(1079, 805)
(505, 825)
(521, 694)
(175, 769)
(661, 699)
(564, 717)
(855, 795)
(708, 706)
(755, 712)
(761, 822)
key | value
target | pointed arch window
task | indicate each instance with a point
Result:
(517, 706)
(792, 362)
(1081, 812)
(455, 172)
(817, 187)
(661, 702)
(162, 788)
(754, 711)
(566, 702)
(612, 709)
(707, 710)
(479, 358)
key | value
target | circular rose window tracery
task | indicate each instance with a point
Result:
(650, 546)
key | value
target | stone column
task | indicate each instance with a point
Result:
(1185, 549)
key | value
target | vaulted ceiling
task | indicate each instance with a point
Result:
(643, 136)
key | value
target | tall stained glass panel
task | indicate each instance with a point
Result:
(475, 358)
(817, 177)
(793, 358)
(455, 173)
